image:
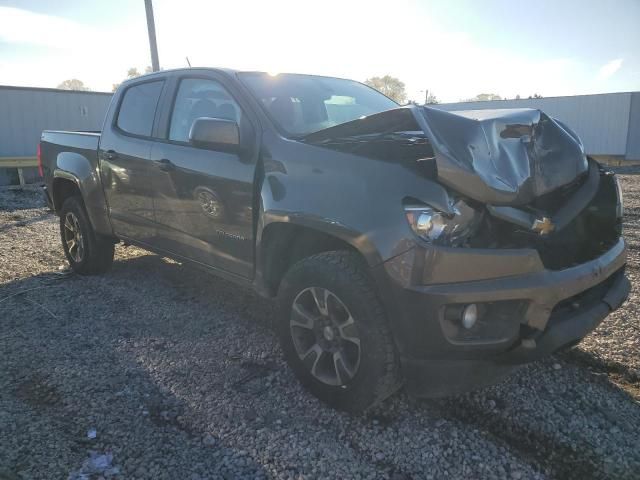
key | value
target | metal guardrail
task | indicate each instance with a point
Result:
(19, 163)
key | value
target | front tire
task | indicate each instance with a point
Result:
(86, 252)
(334, 333)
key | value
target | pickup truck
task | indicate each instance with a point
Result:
(403, 245)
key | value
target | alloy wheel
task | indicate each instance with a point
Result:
(325, 336)
(73, 237)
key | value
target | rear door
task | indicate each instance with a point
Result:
(125, 166)
(204, 198)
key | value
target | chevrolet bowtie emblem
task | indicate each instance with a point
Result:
(543, 226)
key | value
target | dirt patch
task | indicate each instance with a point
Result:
(37, 392)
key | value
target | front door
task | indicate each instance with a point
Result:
(125, 165)
(204, 198)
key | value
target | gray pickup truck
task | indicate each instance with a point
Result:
(403, 245)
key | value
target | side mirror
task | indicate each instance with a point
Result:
(215, 134)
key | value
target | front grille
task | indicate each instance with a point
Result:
(591, 233)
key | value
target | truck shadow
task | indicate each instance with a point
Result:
(562, 452)
(21, 199)
(156, 349)
(23, 222)
(72, 362)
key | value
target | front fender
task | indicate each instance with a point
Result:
(354, 198)
(346, 233)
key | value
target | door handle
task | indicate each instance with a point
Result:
(111, 155)
(165, 164)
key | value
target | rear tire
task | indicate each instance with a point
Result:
(340, 347)
(86, 252)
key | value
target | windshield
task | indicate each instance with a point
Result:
(303, 104)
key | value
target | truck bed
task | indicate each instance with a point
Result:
(71, 141)
(54, 143)
(73, 157)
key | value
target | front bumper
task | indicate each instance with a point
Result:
(531, 311)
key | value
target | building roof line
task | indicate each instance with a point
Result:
(541, 98)
(47, 89)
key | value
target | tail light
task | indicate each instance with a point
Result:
(39, 155)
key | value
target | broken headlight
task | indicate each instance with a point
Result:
(442, 228)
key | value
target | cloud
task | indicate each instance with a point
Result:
(97, 55)
(278, 37)
(452, 64)
(609, 68)
(24, 27)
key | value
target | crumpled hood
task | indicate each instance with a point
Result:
(502, 156)
(499, 157)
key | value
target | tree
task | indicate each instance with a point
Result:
(389, 86)
(74, 84)
(131, 73)
(431, 99)
(484, 97)
(536, 95)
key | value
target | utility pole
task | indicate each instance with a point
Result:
(151, 26)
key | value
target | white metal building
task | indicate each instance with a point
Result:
(608, 124)
(25, 112)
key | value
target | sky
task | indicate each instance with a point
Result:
(456, 49)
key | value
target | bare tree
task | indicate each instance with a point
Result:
(430, 98)
(389, 86)
(74, 84)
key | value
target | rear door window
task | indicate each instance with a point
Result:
(138, 108)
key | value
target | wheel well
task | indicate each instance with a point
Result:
(284, 244)
(63, 189)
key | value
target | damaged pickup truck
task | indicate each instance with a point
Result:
(404, 245)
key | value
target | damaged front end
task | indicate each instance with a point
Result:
(516, 179)
(567, 227)
(537, 260)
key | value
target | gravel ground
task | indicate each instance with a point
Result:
(162, 372)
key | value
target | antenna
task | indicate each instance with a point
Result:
(188, 62)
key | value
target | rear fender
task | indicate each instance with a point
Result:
(78, 169)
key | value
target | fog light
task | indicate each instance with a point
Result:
(469, 316)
